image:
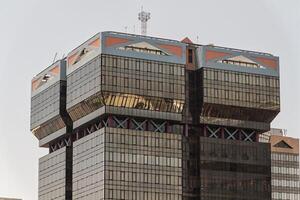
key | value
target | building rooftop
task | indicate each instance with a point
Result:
(278, 131)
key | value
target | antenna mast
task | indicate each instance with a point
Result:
(54, 59)
(144, 17)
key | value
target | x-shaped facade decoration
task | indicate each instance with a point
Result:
(213, 133)
(98, 126)
(121, 123)
(231, 135)
(60, 144)
(90, 130)
(53, 147)
(116, 122)
(248, 135)
(105, 122)
(139, 125)
(158, 127)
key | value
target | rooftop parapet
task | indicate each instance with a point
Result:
(126, 45)
(84, 53)
(237, 60)
(143, 47)
(48, 77)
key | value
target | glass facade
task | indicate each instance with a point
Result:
(226, 169)
(48, 100)
(84, 82)
(45, 105)
(46, 109)
(241, 89)
(126, 101)
(234, 170)
(136, 76)
(142, 165)
(114, 163)
(52, 173)
(233, 98)
(88, 167)
(125, 82)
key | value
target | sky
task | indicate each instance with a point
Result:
(33, 31)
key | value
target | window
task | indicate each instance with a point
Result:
(190, 56)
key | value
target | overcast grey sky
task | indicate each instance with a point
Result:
(32, 31)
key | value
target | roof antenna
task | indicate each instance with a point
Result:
(54, 59)
(143, 17)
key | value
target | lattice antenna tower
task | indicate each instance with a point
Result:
(144, 17)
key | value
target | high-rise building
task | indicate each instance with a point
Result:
(285, 164)
(136, 117)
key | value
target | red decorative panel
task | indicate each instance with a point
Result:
(109, 41)
(268, 62)
(176, 50)
(95, 43)
(215, 54)
(55, 70)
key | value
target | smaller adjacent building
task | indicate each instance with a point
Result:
(285, 164)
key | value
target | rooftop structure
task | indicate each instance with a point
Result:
(151, 118)
(144, 17)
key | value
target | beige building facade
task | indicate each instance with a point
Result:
(285, 164)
